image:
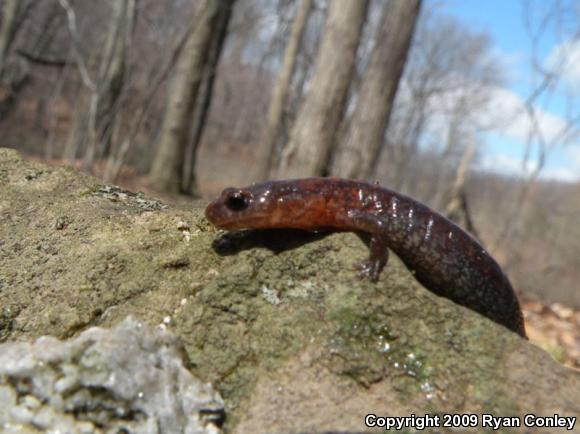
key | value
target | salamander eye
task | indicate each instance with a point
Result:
(237, 201)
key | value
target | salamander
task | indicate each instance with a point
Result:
(442, 257)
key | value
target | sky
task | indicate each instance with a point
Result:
(503, 20)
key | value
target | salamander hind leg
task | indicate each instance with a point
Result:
(377, 260)
(379, 252)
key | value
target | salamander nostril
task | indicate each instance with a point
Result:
(236, 201)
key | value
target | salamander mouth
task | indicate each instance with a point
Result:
(223, 217)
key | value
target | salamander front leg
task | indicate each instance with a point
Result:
(379, 252)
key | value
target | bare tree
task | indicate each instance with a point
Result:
(457, 207)
(12, 80)
(117, 159)
(167, 170)
(265, 151)
(111, 79)
(444, 92)
(245, 25)
(308, 151)
(548, 78)
(359, 148)
(204, 99)
(260, 54)
(8, 28)
(84, 121)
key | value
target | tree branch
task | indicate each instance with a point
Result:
(57, 63)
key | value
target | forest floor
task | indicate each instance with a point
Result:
(550, 325)
(555, 328)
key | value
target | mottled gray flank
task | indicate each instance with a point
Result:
(127, 379)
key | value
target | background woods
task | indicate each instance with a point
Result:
(190, 96)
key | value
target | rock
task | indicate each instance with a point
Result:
(127, 379)
(279, 322)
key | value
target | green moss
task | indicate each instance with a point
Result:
(355, 354)
(556, 351)
(365, 347)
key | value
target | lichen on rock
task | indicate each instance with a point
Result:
(127, 379)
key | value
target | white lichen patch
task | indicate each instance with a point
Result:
(184, 228)
(270, 295)
(305, 290)
(127, 379)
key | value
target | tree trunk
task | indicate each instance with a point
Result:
(112, 74)
(308, 150)
(457, 208)
(110, 81)
(202, 107)
(167, 170)
(117, 159)
(12, 80)
(267, 143)
(77, 135)
(8, 28)
(360, 146)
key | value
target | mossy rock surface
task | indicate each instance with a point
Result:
(278, 321)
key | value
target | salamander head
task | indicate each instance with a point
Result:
(276, 204)
(231, 208)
